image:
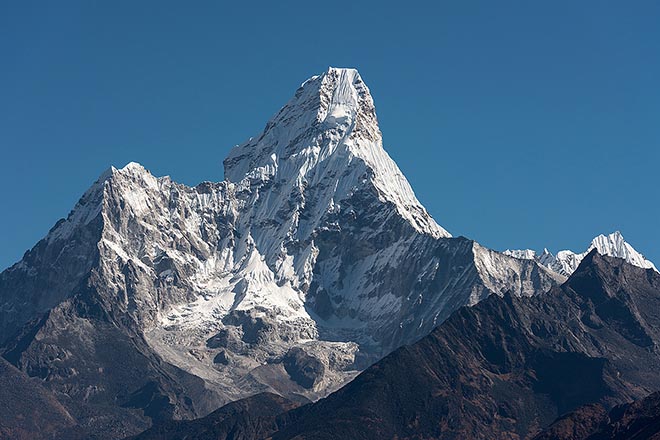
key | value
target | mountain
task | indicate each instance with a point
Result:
(254, 417)
(507, 367)
(313, 259)
(565, 262)
(29, 411)
(638, 420)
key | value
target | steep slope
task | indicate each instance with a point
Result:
(506, 367)
(249, 418)
(312, 260)
(565, 262)
(27, 410)
(52, 270)
(639, 420)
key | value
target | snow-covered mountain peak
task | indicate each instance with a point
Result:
(611, 242)
(137, 174)
(325, 145)
(313, 244)
(132, 167)
(615, 245)
(336, 99)
(131, 181)
(346, 100)
(566, 261)
(336, 103)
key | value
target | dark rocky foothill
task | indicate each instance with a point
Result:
(639, 420)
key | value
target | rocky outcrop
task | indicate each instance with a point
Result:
(303, 368)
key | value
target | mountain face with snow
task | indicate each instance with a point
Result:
(310, 261)
(565, 262)
(504, 369)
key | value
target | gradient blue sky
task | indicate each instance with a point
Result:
(519, 124)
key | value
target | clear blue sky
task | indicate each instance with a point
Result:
(519, 124)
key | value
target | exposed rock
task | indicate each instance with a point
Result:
(303, 368)
(221, 358)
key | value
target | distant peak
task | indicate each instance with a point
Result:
(603, 241)
(611, 245)
(614, 238)
(522, 254)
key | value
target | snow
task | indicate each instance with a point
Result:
(566, 261)
(525, 254)
(328, 130)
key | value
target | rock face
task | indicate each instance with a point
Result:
(565, 262)
(508, 367)
(313, 259)
(303, 368)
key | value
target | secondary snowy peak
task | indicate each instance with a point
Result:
(522, 254)
(566, 261)
(615, 245)
(90, 204)
(325, 144)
